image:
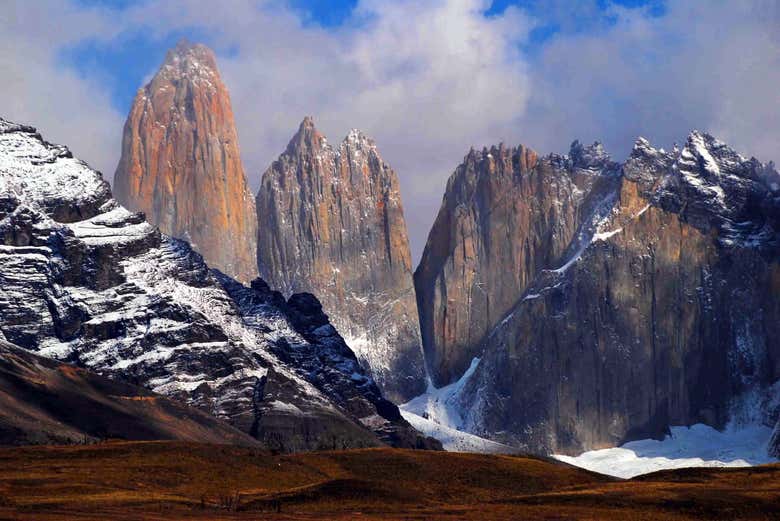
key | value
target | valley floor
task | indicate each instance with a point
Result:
(173, 480)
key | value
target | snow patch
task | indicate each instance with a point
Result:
(437, 413)
(454, 440)
(696, 446)
(441, 405)
(603, 236)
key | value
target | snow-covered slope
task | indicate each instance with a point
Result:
(695, 446)
(84, 280)
(437, 413)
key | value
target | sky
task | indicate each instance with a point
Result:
(426, 79)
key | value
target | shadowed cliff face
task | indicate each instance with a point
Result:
(506, 215)
(667, 313)
(331, 223)
(86, 281)
(181, 166)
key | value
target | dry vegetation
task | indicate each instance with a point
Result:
(171, 480)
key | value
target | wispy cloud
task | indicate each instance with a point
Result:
(427, 79)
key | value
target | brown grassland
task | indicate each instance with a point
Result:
(176, 480)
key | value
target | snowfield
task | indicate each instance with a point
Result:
(696, 446)
(454, 440)
(436, 413)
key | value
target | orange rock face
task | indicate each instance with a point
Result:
(181, 164)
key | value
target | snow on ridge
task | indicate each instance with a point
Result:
(36, 171)
(695, 446)
(699, 148)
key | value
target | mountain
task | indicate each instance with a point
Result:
(45, 401)
(85, 281)
(332, 224)
(181, 165)
(506, 214)
(654, 302)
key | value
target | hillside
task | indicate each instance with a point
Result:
(45, 401)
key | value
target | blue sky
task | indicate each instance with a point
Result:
(126, 62)
(426, 79)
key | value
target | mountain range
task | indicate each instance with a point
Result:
(563, 303)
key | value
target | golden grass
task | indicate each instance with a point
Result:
(174, 480)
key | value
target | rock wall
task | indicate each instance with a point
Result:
(181, 164)
(667, 316)
(506, 214)
(332, 224)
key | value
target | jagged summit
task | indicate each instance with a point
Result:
(307, 140)
(190, 60)
(591, 310)
(711, 186)
(181, 163)
(334, 226)
(588, 156)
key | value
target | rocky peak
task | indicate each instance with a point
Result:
(590, 156)
(479, 166)
(190, 62)
(506, 214)
(181, 163)
(307, 141)
(710, 186)
(356, 137)
(334, 227)
(86, 281)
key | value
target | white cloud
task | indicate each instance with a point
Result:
(427, 79)
(36, 89)
(710, 65)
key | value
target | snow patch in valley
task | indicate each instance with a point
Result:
(437, 413)
(441, 405)
(454, 440)
(696, 446)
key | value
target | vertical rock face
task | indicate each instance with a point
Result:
(181, 165)
(664, 312)
(506, 214)
(331, 223)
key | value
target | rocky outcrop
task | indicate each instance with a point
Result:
(506, 215)
(181, 165)
(84, 280)
(48, 402)
(332, 224)
(663, 312)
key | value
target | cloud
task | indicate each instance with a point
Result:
(708, 65)
(428, 79)
(37, 90)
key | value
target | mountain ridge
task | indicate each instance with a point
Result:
(104, 289)
(663, 302)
